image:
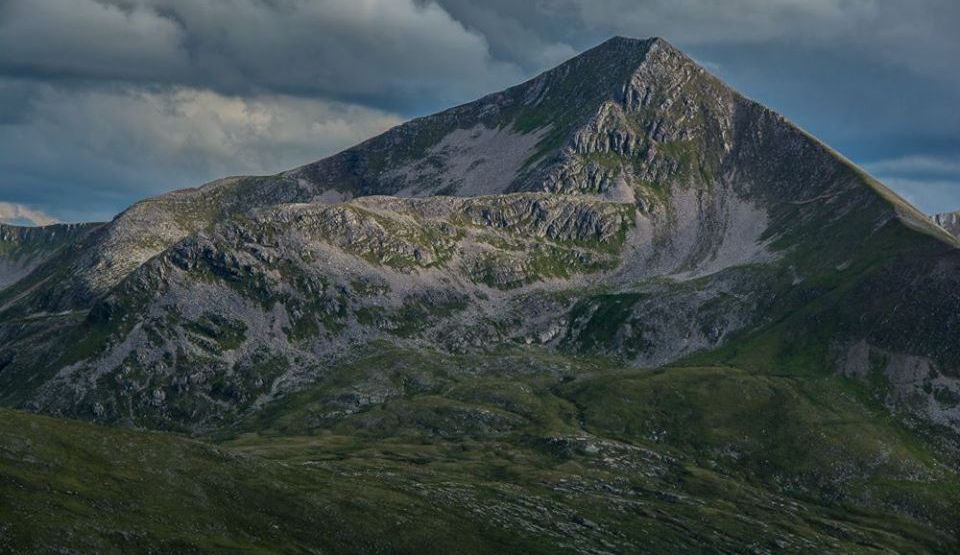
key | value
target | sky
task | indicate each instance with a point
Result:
(105, 102)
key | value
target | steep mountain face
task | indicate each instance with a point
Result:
(623, 211)
(22, 249)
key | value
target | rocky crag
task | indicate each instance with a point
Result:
(949, 221)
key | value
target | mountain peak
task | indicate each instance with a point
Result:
(618, 56)
(630, 52)
(623, 42)
(629, 87)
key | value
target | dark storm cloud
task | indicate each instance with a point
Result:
(392, 54)
(105, 101)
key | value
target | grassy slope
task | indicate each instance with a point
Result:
(572, 455)
(71, 485)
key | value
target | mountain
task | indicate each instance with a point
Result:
(618, 307)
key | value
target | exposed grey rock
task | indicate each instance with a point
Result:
(949, 221)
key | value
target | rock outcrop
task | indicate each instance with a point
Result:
(949, 221)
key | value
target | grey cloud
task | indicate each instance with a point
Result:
(13, 213)
(509, 28)
(16, 101)
(389, 53)
(698, 21)
(87, 39)
(86, 154)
